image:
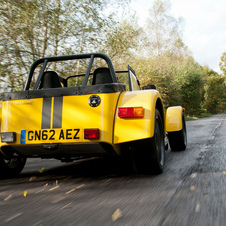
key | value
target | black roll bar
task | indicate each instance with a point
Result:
(46, 60)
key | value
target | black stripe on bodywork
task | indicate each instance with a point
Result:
(46, 112)
(57, 112)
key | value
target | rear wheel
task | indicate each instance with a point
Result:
(178, 139)
(149, 155)
(11, 167)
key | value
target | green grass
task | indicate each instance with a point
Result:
(187, 118)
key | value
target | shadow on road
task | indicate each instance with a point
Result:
(90, 168)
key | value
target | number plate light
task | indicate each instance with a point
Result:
(8, 137)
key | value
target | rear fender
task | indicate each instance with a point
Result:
(131, 129)
(0, 111)
(174, 119)
(0, 121)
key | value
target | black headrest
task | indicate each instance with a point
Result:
(102, 75)
(149, 86)
(50, 79)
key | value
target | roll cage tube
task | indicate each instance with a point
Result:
(130, 80)
(129, 77)
(64, 58)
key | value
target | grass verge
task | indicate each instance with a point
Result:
(187, 117)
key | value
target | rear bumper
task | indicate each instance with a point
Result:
(61, 150)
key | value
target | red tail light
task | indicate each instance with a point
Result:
(131, 112)
(91, 133)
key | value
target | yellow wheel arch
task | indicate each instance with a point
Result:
(131, 129)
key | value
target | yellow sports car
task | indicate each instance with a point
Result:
(78, 106)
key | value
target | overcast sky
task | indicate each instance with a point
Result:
(204, 26)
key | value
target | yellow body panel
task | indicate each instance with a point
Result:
(77, 114)
(21, 114)
(0, 109)
(174, 119)
(0, 117)
(129, 129)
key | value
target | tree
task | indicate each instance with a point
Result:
(222, 63)
(162, 29)
(192, 94)
(122, 41)
(28, 32)
(215, 94)
(39, 28)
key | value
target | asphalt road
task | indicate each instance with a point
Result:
(191, 191)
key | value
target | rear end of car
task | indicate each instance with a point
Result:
(66, 112)
(76, 110)
(59, 124)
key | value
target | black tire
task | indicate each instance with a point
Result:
(11, 167)
(178, 139)
(149, 155)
